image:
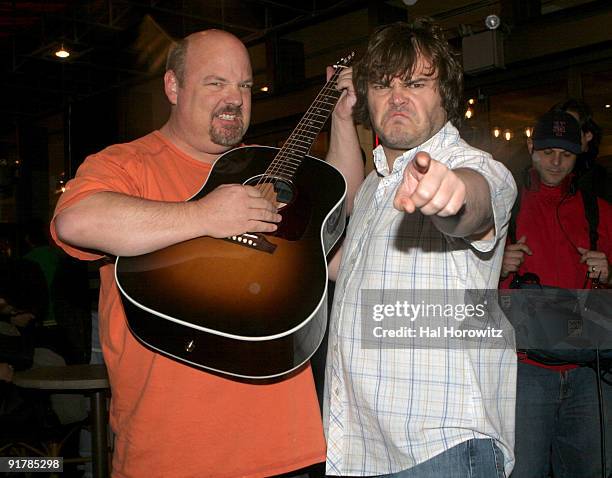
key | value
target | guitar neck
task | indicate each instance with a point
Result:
(301, 139)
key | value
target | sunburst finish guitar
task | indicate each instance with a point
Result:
(254, 305)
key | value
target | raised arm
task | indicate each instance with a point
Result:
(344, 150)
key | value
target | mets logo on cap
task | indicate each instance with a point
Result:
(558, 128)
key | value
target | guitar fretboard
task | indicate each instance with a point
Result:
(290, 156)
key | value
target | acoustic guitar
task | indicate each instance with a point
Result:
(254, 305)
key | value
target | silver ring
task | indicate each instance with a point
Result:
(592, 268)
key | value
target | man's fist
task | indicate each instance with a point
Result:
(431, 187)
(344, 107)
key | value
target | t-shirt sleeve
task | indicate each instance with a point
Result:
(113, 169)
(503, 193)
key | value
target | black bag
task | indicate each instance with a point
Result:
(558, 326)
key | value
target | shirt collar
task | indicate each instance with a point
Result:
(446, 136)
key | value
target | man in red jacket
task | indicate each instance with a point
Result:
(557, 409)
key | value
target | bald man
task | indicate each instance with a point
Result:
(172, 420)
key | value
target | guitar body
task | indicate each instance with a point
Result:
(251, 306)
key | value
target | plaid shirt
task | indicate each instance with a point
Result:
(389, 409)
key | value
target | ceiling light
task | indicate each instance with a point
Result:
(62, 52)
(264, 89)
(507, 135)
(528, 131)
(496, 132)
(607, 106)
(469, 113)
(471, 101)
(492, 22)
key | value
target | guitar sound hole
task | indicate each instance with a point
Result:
(283, 189)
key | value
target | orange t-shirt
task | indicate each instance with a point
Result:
(172, 420)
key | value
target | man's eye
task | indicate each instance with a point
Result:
(379, 86)
(413, 84)
(246, 86)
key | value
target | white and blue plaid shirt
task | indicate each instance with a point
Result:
(389, 409)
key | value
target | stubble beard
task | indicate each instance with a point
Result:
(227, 135)
(546, 177)
(397, 140)
(403, 137)
(399, 136)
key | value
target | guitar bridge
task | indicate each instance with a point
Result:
(253, 241)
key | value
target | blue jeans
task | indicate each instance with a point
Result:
(479, 458)
(557, 424)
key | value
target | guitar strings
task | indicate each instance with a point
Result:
(284, 157)
(279, 165)
(283, 163)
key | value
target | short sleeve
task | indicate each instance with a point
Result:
(113, 169)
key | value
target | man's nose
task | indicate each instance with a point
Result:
(556, 158)
(397, 96)
(233, 95)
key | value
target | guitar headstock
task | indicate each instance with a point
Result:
(345, 61)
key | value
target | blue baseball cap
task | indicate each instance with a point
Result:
(557, 129)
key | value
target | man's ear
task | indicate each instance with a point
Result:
(171, 86)
(530, 145)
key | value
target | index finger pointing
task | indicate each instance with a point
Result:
(422, 161)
